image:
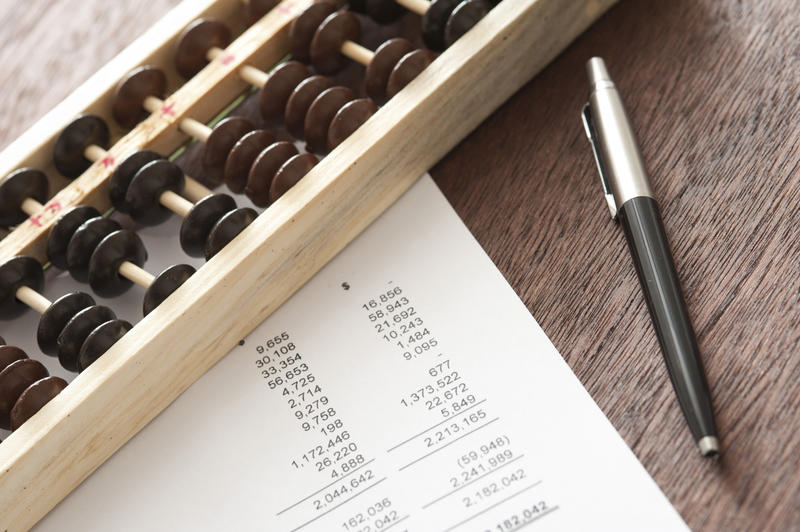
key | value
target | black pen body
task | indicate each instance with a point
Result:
(647, 241)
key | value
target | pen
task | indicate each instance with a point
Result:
(631, 202)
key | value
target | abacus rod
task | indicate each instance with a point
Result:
(194, 190)
(420, 7)
(31, 207)
(190, 126)
(252, 75)
(357, 53)
(94, 153)
(134, 273)
(33, 299)
(177, 204)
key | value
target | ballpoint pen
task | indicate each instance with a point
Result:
(631, 202)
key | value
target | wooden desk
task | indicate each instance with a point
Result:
(713, 90)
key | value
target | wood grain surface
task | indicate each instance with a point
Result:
(713, 90)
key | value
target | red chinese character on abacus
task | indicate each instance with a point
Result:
(168, 109)
(286, 10)
(107, 161)
(53, 207)
(35, 220)
(226, 58)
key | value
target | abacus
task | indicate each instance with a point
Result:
(109, 147)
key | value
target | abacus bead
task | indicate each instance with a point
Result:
(408, 68)
(111, 252)
(16, 272)
(164, 284)
(255, 9)
(326, 46)
(224, 135)
(76, 330)
(463, 18)
(100, 340)
(9, 354)
(279, 86)
(434, 22)
(348, 119)
(62, 231)
(303, 28)
(242, 155)
(290, 174)
(18, 185)
(319, 116)
(13, 380)
(146, 188)
(357, 6)
(122, 176)
(380, 68)
(201, 219)
(34, 398)
(227, 228)
(82, 244)
(384, 11)
(264, 169)
(195, 42)
(56, 317)
(83, 132)
(128, 107)
(300, 101)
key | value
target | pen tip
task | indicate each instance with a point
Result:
(596, 68)
(709, 446)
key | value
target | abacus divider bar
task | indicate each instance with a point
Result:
(94, 153)
(31, 207)
(190, 126)
(134, 273)
(357, 53)
(33, 299)
(177, 204)
(255, 77)
(420, 7)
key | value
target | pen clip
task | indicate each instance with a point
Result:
(588, 125)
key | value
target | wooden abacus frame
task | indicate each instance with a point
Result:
(229, 296)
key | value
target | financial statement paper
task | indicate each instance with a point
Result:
(405, 387)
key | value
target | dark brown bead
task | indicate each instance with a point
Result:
(118, 247)
(13, 380)
(434, 22)
(384, 11)
(279, 86)
(15, 188)
(290, 174)
(128, 107)
(82, 244)
(326, 46)
(34, 398)
(255, 9)
(164, 284)
(300, 101)
(219, 144)
(195, 42)
(146, 187)
(408, 68)
(201, 219)
(84, 131)
(16, 272)
(57, 316)
(100, 340)
(263, 171)
(242, 155)
(463, 18)
(321, 113)
(380, 68)
(77, 330)
(227, 228)
(62, 231)
(123, 174)
(303, 28)
(348, 119)
(357, 6)
(9, 354)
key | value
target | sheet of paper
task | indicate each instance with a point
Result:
(405, 388)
